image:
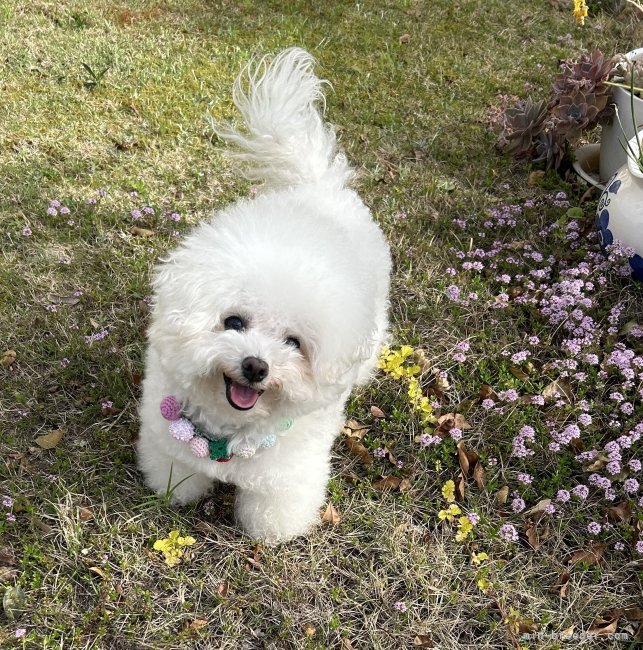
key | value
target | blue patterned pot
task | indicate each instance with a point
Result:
(619, 216)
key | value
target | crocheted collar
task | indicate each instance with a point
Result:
(203, 443)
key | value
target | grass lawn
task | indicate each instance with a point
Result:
(107, 159)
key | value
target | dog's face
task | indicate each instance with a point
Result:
(254, 328)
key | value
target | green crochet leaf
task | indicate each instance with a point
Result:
(218, 449)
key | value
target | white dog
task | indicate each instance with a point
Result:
(266, 317)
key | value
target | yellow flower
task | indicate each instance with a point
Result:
(449, 513)
(484, 585)
(448, 491)
(477, 558)
(171, 547)
(580, 11)
(465, 527)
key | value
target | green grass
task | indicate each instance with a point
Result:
(412, 118)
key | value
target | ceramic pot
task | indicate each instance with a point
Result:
(612, 154)
(619, 216)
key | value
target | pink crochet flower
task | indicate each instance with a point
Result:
(200, 447)
(170, 408)
(182, 429)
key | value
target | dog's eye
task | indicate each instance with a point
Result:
(293, 341)
(234, 323)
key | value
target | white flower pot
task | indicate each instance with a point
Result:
(619, 216)
(612, 154)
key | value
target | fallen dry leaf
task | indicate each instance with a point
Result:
(330, 515)
(140, 232)
(562, 584)
(7, 573)
(405, 38)
(620, 512)
(8, 358)
(501, 495)
(377, 412)
(518, 373)
(98, 571)
(390, 456)
(358, 450)
(405, 485)
(51, 439)
(196, 624)
(486, 392)
(539, 507)
(467, 458)
(560, 388)
(85, 514)
(347, 645)
(223, 588)
(423, 641)
(603, 626)
(566, 634)
(387, 483)
(479, 475)
(459, 488)
(63, 300)
(592, 555)
(353, 429)
(535, 177)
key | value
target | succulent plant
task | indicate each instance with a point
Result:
(579, 99)
(576, 112)
(521, 124)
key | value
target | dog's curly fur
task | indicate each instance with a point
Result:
(295, 279)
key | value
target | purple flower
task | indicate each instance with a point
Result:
(473, 518)
(581, 491)
(508, 533)
(563, 496)
(64, 362)
(519, 357)
(175, 216)
(400, 606)
(7, 501)
(136, 214)
(456, 434)
(525, 478)
(533, 340)
(463, 346)
(91, 200)
(426, 440)
(627, 408)
(148, 210)
(11, 516)
(20, 633)
(585, 419)
(518, 505)
(639, 546)
(634, 464)
(619, 546)
(459, 357)
(454, 292)
(594, 528)
(379, 452)
(54, 203)
(52, 212)
(107, 405)
(550, 509)
(26, 231)
(488, 404)
(64, 210)
(631, 486)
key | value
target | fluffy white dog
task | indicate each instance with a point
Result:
(266, 317)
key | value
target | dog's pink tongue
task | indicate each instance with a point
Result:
(243, 396)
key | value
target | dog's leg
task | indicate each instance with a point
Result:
(167, 475)
(279, 513)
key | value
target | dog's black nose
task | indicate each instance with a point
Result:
(254, 369)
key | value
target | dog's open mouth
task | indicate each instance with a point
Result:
(239, 396)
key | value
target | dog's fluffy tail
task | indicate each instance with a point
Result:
(286, 142)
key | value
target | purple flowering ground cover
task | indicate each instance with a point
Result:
(486, 489)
